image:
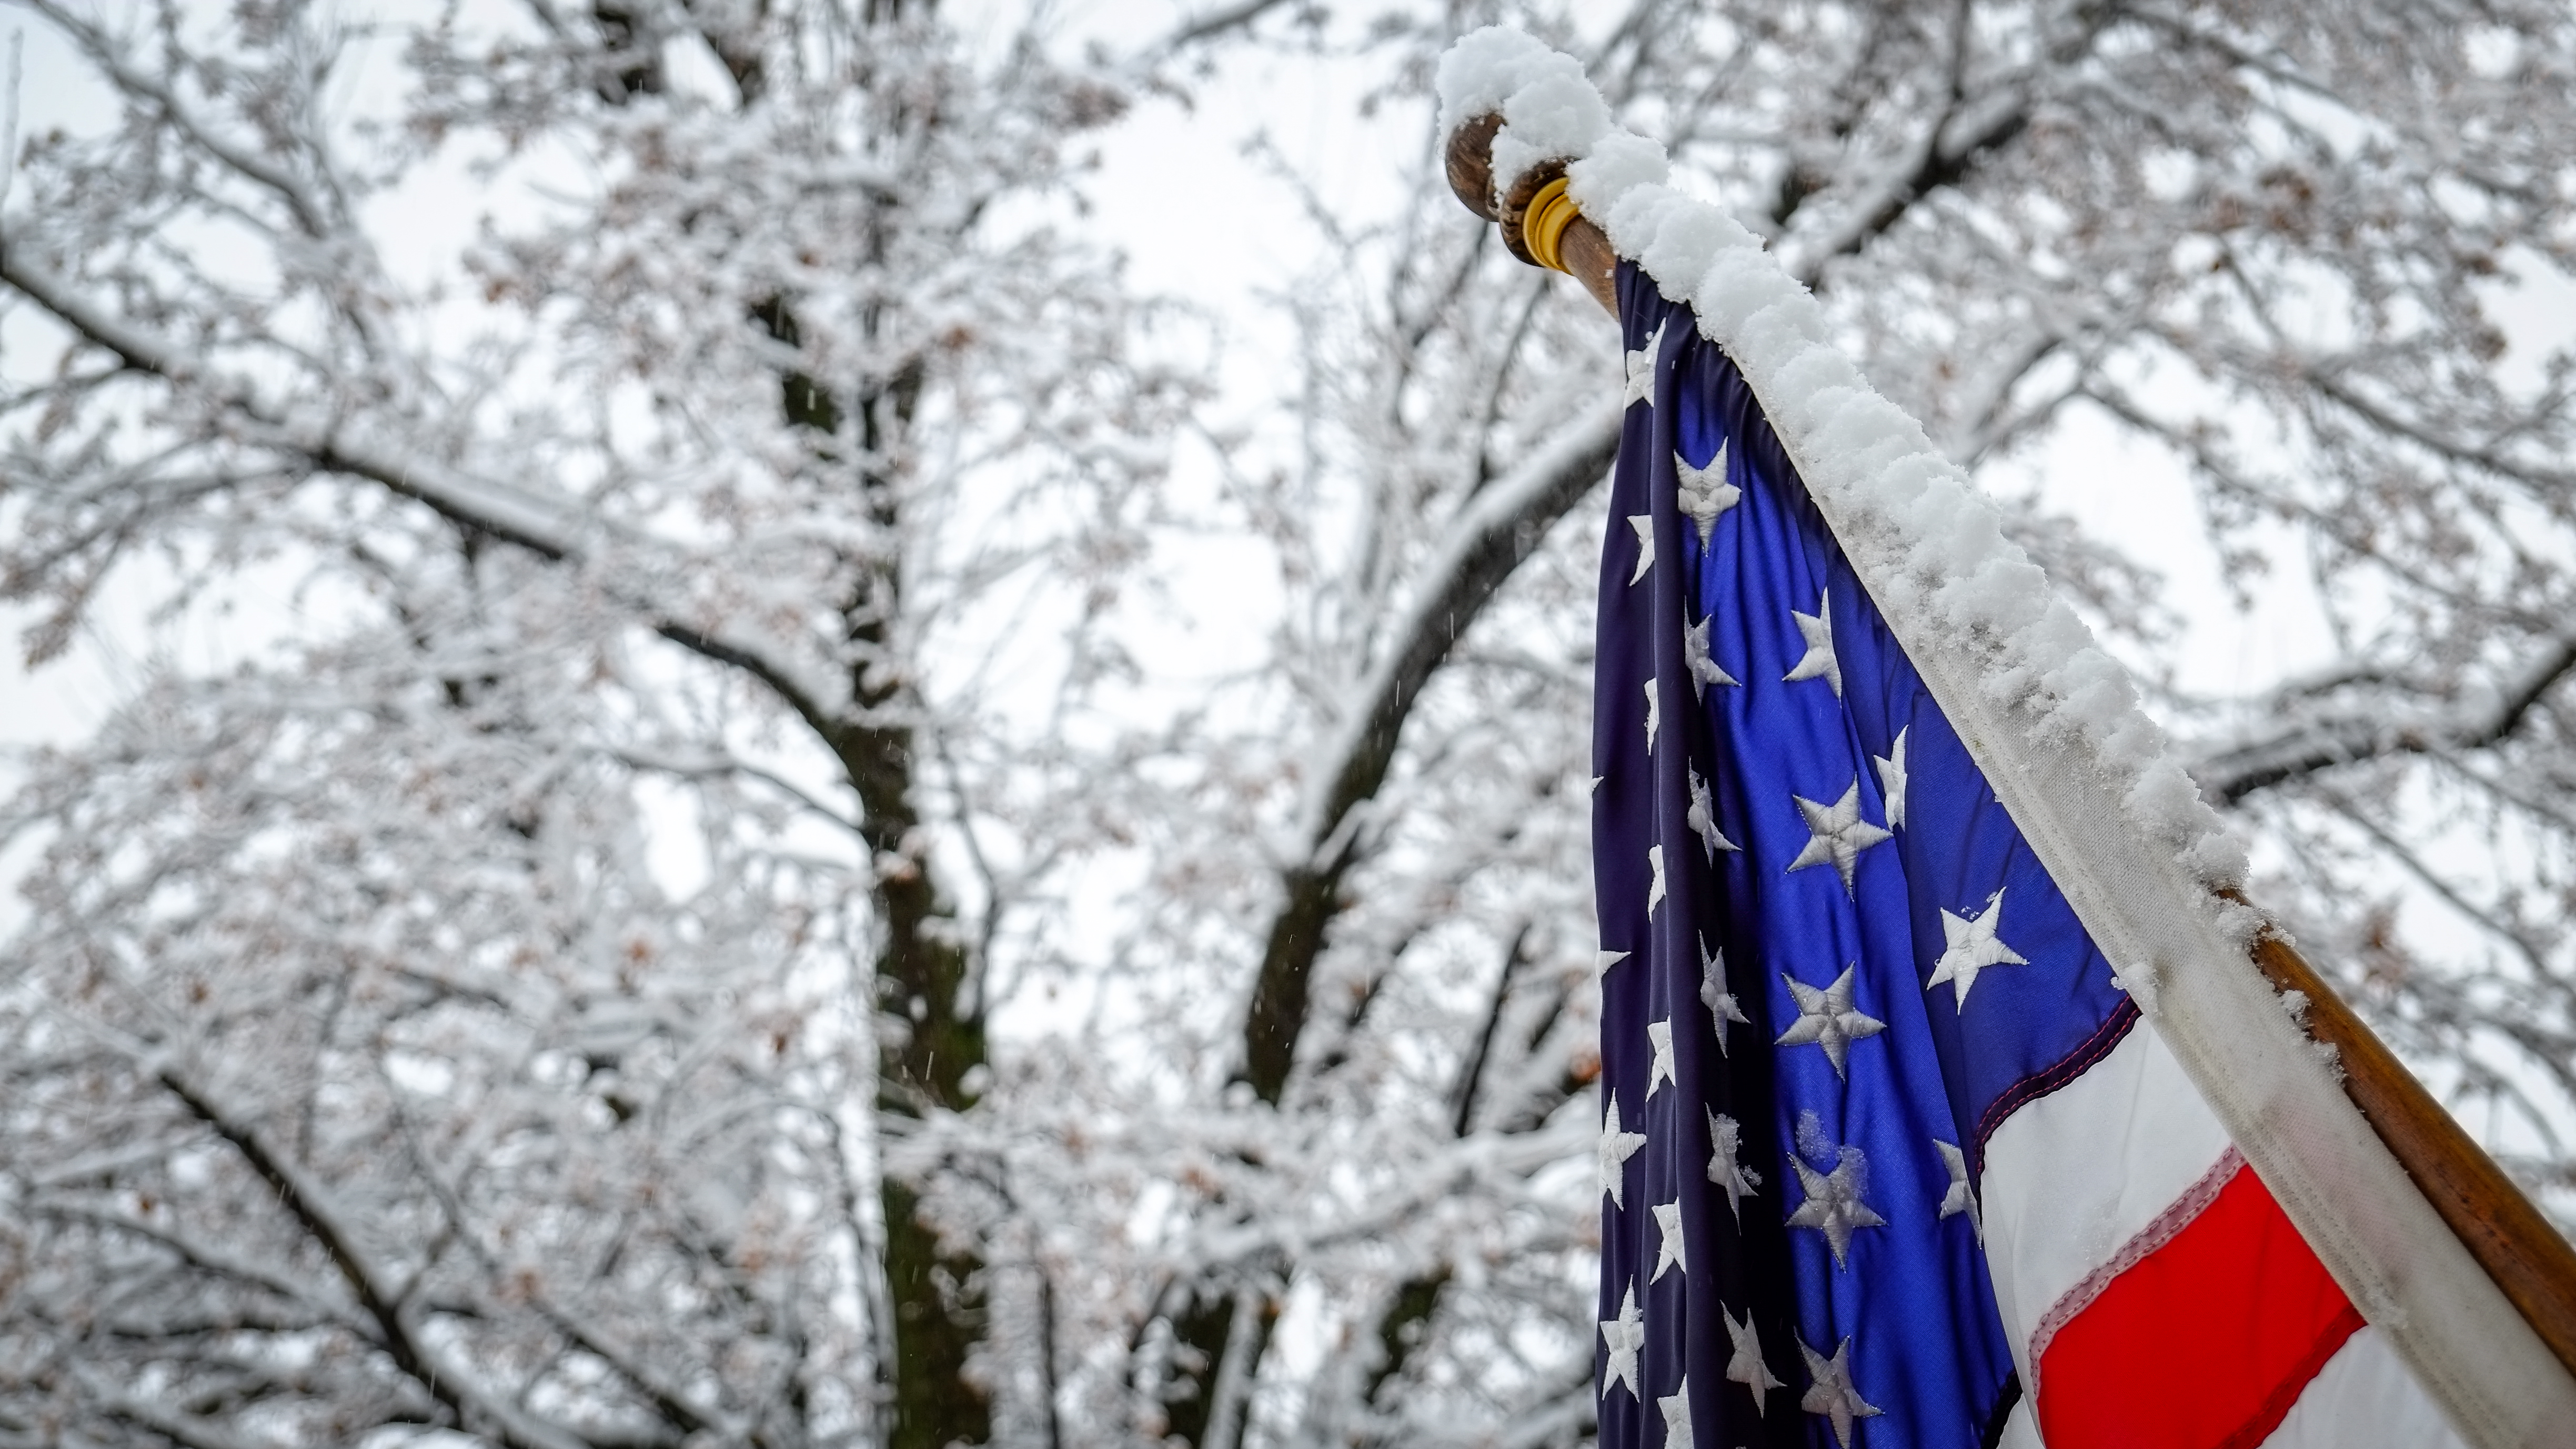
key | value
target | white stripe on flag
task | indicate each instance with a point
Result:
(2364, 1399)
(2075, 1176)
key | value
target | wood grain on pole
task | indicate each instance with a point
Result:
(2531, 1262)
(1589, 260)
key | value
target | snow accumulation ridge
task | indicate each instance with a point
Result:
(1930, 545)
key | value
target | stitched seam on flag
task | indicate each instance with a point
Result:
(2161, 1230)
(2113, 1030)
(2285, 1394)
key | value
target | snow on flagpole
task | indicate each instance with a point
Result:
(2425, 1234)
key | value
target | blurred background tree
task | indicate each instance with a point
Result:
(1126, 975)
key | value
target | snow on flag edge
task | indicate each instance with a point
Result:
(2054, 723)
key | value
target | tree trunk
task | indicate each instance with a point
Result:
(930, 1035)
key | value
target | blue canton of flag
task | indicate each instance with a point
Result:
(1830, 963)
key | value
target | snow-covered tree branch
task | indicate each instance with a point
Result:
(707, 905)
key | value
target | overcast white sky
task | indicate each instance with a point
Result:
(1231, 234)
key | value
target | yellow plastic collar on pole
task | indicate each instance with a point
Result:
(1544, 222)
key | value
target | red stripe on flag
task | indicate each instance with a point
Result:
(2204, 1343)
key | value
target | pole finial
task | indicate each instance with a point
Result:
(1471, 163)
(1566, 240)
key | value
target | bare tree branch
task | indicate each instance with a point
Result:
(371, 1282)
(551, 528)
(2325, 741)
(1494, 532)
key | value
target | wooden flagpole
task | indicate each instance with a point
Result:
(1582, 251)
(2529, 1260)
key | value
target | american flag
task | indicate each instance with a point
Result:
(1887, 1155)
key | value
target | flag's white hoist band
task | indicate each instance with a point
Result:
(2098, 1168)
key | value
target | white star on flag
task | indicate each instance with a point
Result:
(1625, 1336)
(1655, 887)
(1645, 526)
(1961, 1198)
(1827, 1018)
(1703, 818)
(1660, 1033)
(1605, 958)
(1668, 1240)
(1891, 779)
(1726, 1139)
(1833, 1206)
(1973, 947)
(1721, 1003)
(1746, 1366)
(1819, 661)
(1677, 1424)
(1705, 493)
(1704, 671)
(1832, 1395)
(1641, 368)
(1654, 714)
(1837, 834)
(1612, 1155)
